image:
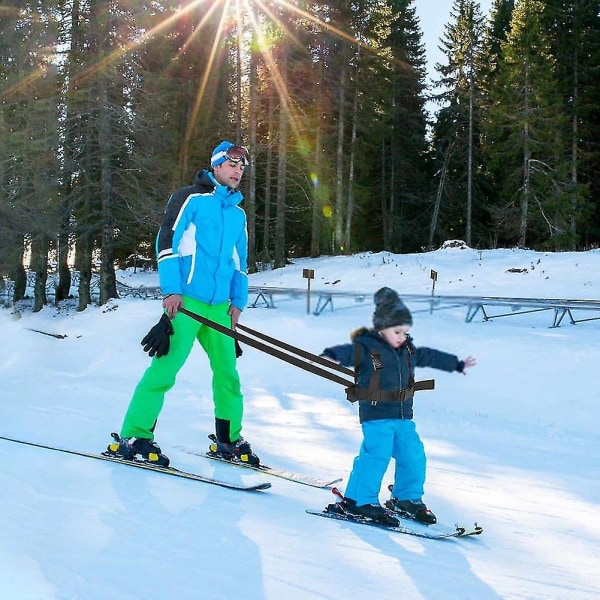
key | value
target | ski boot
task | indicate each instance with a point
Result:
(374, 512)
(128, 448)
(239, 450)
(412, 509)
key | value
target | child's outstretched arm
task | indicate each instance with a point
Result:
(467, 363)
(342, 354)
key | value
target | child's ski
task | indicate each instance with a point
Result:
(407, 526)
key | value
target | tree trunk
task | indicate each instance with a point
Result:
(470, 157)
(63, 286)
(574, 149)
(108, 278)
(70, 12)
(350, 209)
(18, 273)
(317, 207)
(438, 198)
(280, 253)
(339, 168)
(393, 218)
(39, 263)
(239, 90)
(385, 213)
(250, 198)
(266, 254)
(108, 283)
(84, 264)
(526, 169)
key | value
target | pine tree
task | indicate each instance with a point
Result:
(29, 146)
(574, 27)
(391, 175)
(495, 34)
(456, 133)
(521, 131)
(406, 143)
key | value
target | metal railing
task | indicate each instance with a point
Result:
(560, 307)
(576, 310)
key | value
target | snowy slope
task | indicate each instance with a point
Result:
(513, 445)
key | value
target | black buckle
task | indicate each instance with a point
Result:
(376, 360)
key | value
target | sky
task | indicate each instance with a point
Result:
(433, 17)
(513, 445)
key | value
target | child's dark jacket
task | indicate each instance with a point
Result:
(395, 374)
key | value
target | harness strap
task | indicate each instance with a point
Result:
(374, 393)
(297, 362)
(389, 395)
(375, 382)
(410, 350)
(353, 392)
(303, 353)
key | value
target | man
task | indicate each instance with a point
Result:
(202, 250)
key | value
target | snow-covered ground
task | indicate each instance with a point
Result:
(514, 445)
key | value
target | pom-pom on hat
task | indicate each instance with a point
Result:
(390, 311)
(219, 155)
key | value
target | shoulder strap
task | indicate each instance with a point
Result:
(374, 393)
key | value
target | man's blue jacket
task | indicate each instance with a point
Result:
(202, 244)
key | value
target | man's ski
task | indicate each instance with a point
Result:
(148, 466)
(267, 470)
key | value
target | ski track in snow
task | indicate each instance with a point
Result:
(513, 445)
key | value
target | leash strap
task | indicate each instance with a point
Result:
(297, 362)
(308, 355)
(353, 392)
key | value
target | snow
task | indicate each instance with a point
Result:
(512, 445)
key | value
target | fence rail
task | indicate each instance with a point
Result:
(490, 307)
(7, 287)
(577, 311)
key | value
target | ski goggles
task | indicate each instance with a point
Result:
(237, 154)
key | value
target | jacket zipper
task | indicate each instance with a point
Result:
(212, 300)
(399, 367)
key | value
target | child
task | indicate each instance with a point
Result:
(384, 359)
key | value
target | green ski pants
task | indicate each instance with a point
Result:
(159, 378)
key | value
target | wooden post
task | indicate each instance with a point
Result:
(433, 276)
(308, 274)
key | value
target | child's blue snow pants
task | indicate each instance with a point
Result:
(382, 440)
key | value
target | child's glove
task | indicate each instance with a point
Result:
(157, 341)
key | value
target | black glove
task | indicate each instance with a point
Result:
(157, 341)
(238, 349)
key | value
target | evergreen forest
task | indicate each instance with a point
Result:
(108, 106)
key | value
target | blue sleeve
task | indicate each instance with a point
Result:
(175, 221)
(344, 354)
(436, 359)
